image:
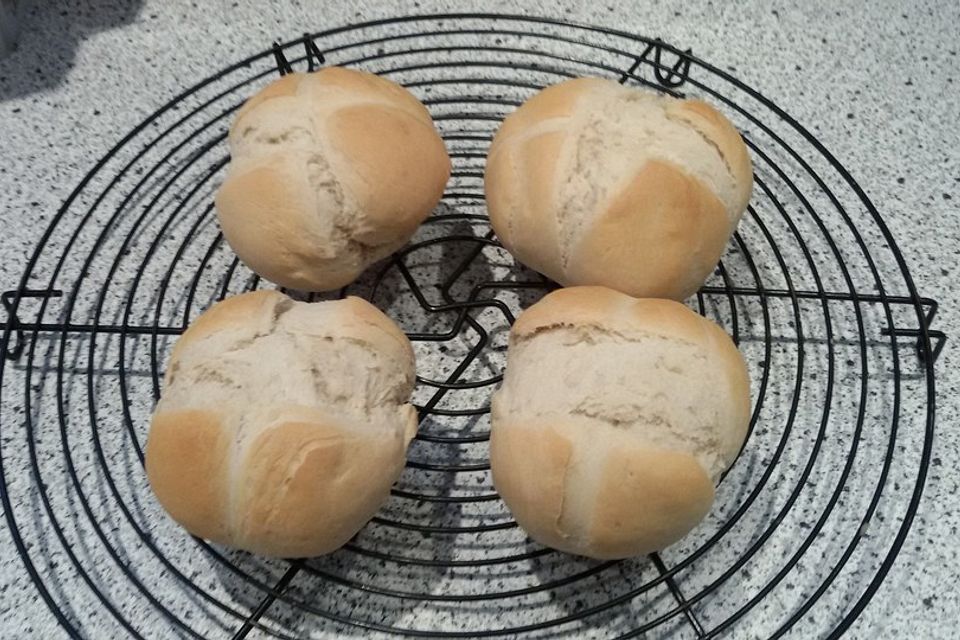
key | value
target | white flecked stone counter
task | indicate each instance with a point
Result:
(880, 87)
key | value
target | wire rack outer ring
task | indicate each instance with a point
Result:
(668, 77)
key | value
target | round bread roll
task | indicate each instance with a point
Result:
(590, 182)
(329, 172)
(282, 424)
(615, 420)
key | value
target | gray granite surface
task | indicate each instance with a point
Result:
(879, 86)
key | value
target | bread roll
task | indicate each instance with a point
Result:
(329, 172)
(590, 182)
(282, 424)
(615, 420)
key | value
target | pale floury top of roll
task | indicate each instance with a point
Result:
(282, 425)
(591, 182)
(329, 172)
(616, 418)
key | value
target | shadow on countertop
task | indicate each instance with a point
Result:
(49, 34)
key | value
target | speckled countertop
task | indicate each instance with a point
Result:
(880, 87)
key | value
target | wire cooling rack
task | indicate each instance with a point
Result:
(813, 288)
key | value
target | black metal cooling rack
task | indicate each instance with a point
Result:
(813, 288)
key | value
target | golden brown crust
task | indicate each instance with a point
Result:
(527, 208)
(529, 465)
(628, 471)
(233, 312)
(359, 84)
(266, 225)
(246, 455)
(522, 214)
(668, 318)
(358, 317)
(363, 84)
(391, 154)
(304, 493)
(578, 306)
(659, 229)
(647, 499)
(187, 456)
(555, 101)
(714, 126)
(282, 87)
(663, 202)
(534, 222)
(595, 306)
(501, 191)
(331, 172)
(738, 386)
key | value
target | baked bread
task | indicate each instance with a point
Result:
(593, 183)
(282, 424)
(615, 420)
(329, 172)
